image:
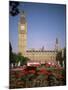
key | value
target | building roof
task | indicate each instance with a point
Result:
(40, 51)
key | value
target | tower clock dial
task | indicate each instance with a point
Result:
(22, 27)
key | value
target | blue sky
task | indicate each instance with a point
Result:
(45, 23)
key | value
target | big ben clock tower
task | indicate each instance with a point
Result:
(22, 32)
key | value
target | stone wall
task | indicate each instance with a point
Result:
(41, 56)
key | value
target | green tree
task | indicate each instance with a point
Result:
(14, 10)
(10, 54)
(14, 56)
(64, 72)
(59, 57)
(64, 58)
(23, 60)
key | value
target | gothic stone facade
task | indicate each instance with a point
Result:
(41, 56)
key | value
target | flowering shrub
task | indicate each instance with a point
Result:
(49, 74)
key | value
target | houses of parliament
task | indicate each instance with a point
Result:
(41, 55)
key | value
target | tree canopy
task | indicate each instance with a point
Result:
(14, 10)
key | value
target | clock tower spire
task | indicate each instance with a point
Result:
(22, 33)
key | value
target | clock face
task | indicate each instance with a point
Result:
(22, 27)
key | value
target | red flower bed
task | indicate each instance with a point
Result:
(25, 72)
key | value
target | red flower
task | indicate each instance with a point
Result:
(47, 65)
(32, 71)
(16, 75)
(43, 71)
(24, 72)
(60, 76)
(37, 65)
